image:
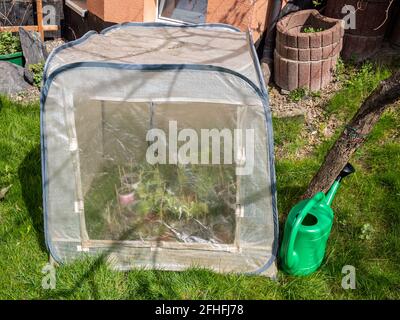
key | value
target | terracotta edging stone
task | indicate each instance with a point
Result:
(307, 60)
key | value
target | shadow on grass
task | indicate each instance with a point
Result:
(30, 177)
(89, 276)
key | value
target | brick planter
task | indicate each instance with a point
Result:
(366, 39)
(306, 60)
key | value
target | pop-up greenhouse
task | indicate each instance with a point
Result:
(157, 150)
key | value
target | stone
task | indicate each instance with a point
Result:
(34, 51)
(266, 68)
(12, 78)
(33, 48)
(28, 76)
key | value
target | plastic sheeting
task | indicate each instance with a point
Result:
(110, 98)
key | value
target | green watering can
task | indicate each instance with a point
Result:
(307, 230)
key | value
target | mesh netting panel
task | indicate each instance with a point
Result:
(159, 166)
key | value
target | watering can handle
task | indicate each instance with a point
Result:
(296, 225)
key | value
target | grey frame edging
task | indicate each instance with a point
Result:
(262, 93)
(70, 44)
(43, 146)
(88, 34)
(270, 132)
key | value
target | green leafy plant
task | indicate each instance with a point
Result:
(340, 70)
(9, 44)
(315, 94)
(37, 70)
(168, 199)
(317, 3)
(301, 93)
(311, 30)
(183, 192)
(297, 94)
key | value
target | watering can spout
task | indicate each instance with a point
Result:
(347, 170)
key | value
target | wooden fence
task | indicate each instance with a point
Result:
(39, 27)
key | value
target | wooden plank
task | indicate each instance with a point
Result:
(39, 9)
(29, 28)
(138, 244)
(168, 245)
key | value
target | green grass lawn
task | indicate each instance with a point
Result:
(366, 231)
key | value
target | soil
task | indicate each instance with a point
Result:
(311, 107)
(26, 96)
(52, 44)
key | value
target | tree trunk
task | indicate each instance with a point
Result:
(354, 134)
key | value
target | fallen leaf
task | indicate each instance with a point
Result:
(4, 191)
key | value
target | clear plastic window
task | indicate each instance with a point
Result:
(128, 198)
(192, 11)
